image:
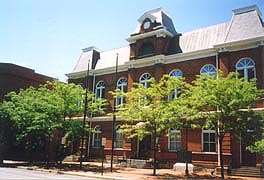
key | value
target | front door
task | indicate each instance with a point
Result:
(248, 158)
(144, 150)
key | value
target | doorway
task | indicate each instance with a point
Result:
(247, 158)
(144, 148)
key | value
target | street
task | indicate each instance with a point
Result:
(14, 173)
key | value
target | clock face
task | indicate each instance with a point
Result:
(146, 25)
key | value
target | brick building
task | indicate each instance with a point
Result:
(156, 48)
(14, 78)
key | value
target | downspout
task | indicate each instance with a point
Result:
(218, 144)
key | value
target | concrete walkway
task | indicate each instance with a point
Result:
(93, 170)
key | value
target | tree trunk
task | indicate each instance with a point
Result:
(155, 153)
(221, 157)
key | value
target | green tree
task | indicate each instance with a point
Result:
(35, 114)
(224, 103)
(147, 109)
(258, 146)
(38, 113)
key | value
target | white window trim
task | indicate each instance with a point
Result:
(100, 88)
(117, 127)
(208, 73)
(208, 131)
(175, 92)
(246, 68)
(144, 81)
(96, 132)
(173, 131)
(174, 70)
(122, 88)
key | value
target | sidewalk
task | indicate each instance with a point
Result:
(93, 170)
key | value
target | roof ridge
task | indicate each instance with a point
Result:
(114, 49)
(205, 27)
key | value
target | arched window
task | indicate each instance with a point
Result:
(122, 85)
(119, 138)
(97, 137)
(100, 89)
(176, 73)
(144, 79)
(147, 49)
(176, 93)
(246, 68)
(209, 140)
(208, 69)
(174, 140)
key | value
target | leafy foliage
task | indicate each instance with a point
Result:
(38, 113)
(258, 146)
(148, 110)
(225, 103)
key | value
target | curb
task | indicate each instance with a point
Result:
(82, 174)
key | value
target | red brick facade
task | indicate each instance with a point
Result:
(169, 55)
(14, 77)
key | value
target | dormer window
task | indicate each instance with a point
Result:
(147, 49)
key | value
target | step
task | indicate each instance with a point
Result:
(205, 164)
(71, 158)
(246, 172)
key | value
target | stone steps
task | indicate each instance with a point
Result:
(246, 172)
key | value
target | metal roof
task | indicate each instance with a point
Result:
(245, 24)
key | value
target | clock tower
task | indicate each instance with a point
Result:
(154, 35)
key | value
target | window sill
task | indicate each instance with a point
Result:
(147, 55)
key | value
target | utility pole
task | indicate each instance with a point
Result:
(114, 119)
(85, 111)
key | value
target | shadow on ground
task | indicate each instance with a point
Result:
(117, 170)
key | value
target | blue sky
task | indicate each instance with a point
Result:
(48, 35)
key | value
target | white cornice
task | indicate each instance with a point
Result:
(157, 33)
(96, 72)
(180, 57)
(241, 45)
(76, 75)
(190, 56)
(97, 119)
(110, 70)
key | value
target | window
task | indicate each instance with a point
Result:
(209, 70)
(209, 140)
(144, 79)
(122, 85)
(119, 138)
(147, 49)
(176, 93)
(246, 69)
(97, 137)
(100, 89)
(174, 140)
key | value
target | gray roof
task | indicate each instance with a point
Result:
(245, 24)
(161, 17)
(203, 38)
(107, 58)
